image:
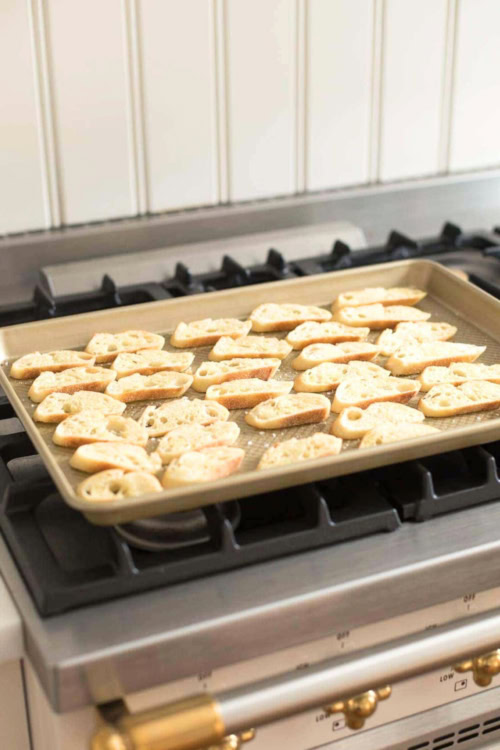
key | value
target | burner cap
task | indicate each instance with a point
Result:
(173, 530)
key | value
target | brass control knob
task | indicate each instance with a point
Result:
(483, 668)
(359, 708)
(235, 741)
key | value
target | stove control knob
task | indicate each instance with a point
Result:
(483, 668)
(359, 708)
(235, 741)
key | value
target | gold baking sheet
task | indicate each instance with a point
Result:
(450, 299)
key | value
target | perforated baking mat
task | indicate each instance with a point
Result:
(449, 298)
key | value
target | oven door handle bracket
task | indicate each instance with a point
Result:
(223, 721)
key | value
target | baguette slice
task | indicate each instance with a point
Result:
(273, 317)
(194, 437)
(31, 365)
(457, 373)
(149, 361)
(353, 422)
(58, 406)
(208, 331)
(214, 373)
(294, 450)
(70, 381)
(146, 387)
(419, 356)
(289, 411)
(362, 393)
(379, 316)
(158, 420)
(329, 375)
(393, 433)
(107, 346)
(94, 457)
(379, 294)
(206, 465)
(243, 394)
(407, 333)
(94, 427)
(249, 346)
(448, 400)
(331, 332)
(315, 354)
(116, 484)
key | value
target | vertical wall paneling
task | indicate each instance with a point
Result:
(475, 140)
(23, 204)
(376, 90)
(178, 66)
(87, 44)
(339, 88)
(261, 97)
(447, 100)
(301, 96)
(220, 97)
(412, 87)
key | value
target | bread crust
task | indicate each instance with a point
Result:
(70, 381)
(208, 331)
(420, 356)
(95, 457)
(316, 354)
(32, 365)
(116, 484)
(331, 332)
(215, 373)
(472, 396)
(285, 317)
(364, 393)
(149, 387)
(289, 411)
(59, 406)
(244, 394)
(107, 346)
(378, 315)
(94, 427)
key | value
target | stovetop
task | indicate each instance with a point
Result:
(67, 562)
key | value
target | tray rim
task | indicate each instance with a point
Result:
(249, 483)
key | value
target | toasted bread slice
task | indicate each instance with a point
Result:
(107, 346)
(205, 465)
(208, 331)
(273, 317)
(408, 333)
(94, 427)
(304, 449)
(194, 437)
(362, 393)
(329, 375)
(447, 400)
(116, 484)
(379, 295)
(148, 387)
(315, 354)
(353, 422)
(393, 433)
(331, 332)
(58, 406)
(379, 316)
(158, 420)
(214, 373)
(70, 381)
(289, 411)
(417, 357)
(249, 346)
(149, 361)
(94, 457)
(457, 373)
(243, 394)
(31, 365)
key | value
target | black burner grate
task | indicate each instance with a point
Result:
(67, 562)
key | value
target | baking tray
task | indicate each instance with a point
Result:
(449, 298)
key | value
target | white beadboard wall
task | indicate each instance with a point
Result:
(128, 107)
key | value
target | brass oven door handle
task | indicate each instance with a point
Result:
(224, 721)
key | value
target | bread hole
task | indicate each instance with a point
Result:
(444, 402)
(403, 387)
(379, 440)
(354, 415)
(112, 347)
(115, 488)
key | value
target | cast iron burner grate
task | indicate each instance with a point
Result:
(68, 562)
